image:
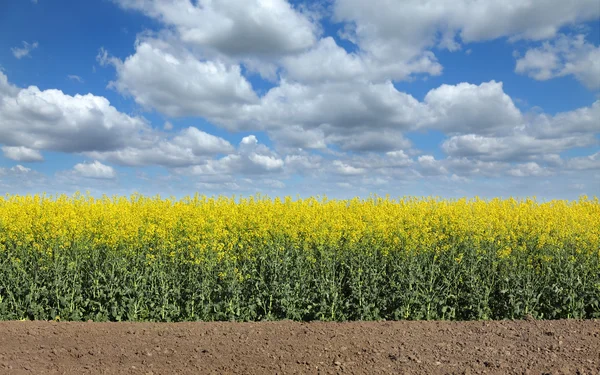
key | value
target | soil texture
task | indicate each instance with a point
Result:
(285, 347)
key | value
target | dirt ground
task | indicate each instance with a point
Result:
(507, 347)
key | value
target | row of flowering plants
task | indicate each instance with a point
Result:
(144, 258)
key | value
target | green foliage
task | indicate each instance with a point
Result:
(278, 280)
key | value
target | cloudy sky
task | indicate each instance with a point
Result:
(336, 97)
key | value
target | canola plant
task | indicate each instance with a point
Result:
(154, 259)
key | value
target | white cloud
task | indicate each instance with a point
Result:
(175, 83)
(579, 122)
(458, 169)
(234, 27)
(530, 169)
(335, 106)
(75, 78)
(347, 102)
(320, 107)
(585, 162)
(52, 120)
(295, 136)
(462, 166)
(267, 162)
(276, 184)
(249, 141)
(94, 170)
(532, 137)
(402, 29)
(16, 173)
(510, 148)
(466, 108)
(377, 140)
(226, 99)
(566, 55)
(25, 51)
(20, 180)
(19, 169)
(23, 154)
(375, 166)
(372, 117)
(482, 120)
(6, 89)
(334, 115)
(188, 147)
(346, 169)
(250, 158)
(302, 163)
(430, 167)
(395, 39)
(202, 143)
(329, 62)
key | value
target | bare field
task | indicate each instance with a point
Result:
(407, 347)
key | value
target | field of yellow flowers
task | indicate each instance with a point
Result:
(154, 259)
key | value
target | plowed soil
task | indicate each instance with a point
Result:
(507, 347)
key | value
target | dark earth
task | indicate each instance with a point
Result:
(403, 347)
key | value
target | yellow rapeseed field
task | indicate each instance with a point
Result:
(38, 232)
(195, 224)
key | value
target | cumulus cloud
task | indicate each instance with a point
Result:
(539, 138)
(176, 83)
(403, 29)
(6, 88)
(366, 122)
(19, 169)
(52, 120)
(394, 39)
(234, 28)
(482, 120)
(370, 140)
(250, 158)
(510, 148)
(346, 169)
(335, 106)
(94, 170)
(327, 61)
(24, 51)
(397, 38)
(566, 55)
(429, 166)
(23, 154)
(302, 163)
(360, 116)
(585, 162)
(528, 170)
(579, 122)
(334, 114)
(462, 166)
(185, 86)
(188, 147)
(265, 161)
(311, 111)
(295, 136)
(465, 107)
(329, 97)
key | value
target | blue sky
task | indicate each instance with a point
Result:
(335, 97)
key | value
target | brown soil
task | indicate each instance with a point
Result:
(520, 347)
